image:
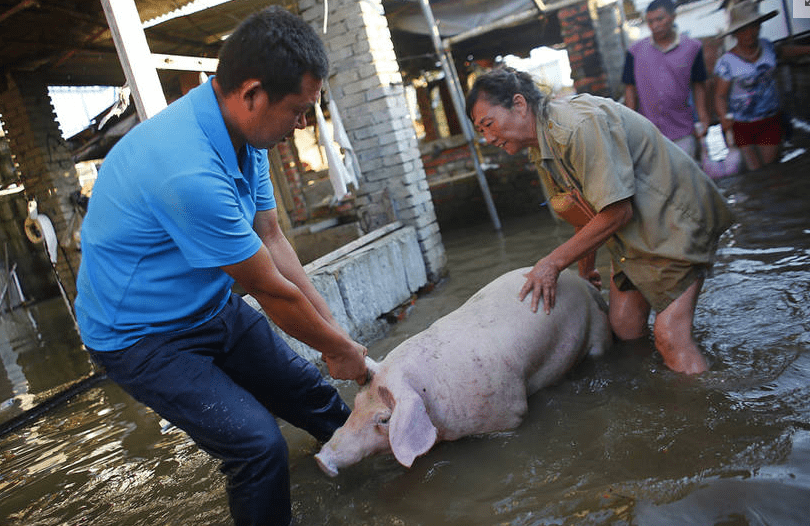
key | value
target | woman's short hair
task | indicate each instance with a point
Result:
(499, 87)
(274, 46)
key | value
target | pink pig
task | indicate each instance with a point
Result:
(470, 372)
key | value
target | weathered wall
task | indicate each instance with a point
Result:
(45, 162)
(367, 87)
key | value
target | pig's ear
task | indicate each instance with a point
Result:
(372, 367)
(410, 431)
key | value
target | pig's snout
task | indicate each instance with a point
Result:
(326, 464)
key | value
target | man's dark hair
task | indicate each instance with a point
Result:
(667, 5)
(276, 47)
(499, 87)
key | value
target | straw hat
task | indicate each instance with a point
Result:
(743, 13)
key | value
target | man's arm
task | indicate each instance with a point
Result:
(630, 97)
(629, 80)
(697, 78)
(699, 95)
(286, 260)
(280, 285)
(788, 51)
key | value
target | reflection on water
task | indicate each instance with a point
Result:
(102, 459)
(40, 354)
(621, 441)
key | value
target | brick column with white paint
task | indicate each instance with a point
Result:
(368, 89)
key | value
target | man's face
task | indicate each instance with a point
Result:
(274, 121)
(660, 22)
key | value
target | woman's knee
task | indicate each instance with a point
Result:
(628, 312)
(627, 328)
(628, 320)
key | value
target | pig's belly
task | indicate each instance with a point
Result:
(476, 412)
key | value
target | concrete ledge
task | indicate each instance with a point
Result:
(363, 281)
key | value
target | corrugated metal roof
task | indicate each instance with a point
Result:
(69, 42)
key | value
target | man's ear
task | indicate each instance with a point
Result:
(248, 91)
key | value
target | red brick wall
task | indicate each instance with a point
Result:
(579, 37)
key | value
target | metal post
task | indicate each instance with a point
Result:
(454, 86)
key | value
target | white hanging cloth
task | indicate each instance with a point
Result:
(349, 157)
(341, 172)
(337, 171)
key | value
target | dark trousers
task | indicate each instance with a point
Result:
(222, 383)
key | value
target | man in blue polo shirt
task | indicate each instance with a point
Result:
(183, 207)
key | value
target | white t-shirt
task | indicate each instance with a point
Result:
(754, 94)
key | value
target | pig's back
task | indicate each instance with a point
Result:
(474, 365)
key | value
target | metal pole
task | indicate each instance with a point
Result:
(451, 77)
(788, 20)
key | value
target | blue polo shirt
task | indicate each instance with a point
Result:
(171, 205)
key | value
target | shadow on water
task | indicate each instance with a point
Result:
(621, 441)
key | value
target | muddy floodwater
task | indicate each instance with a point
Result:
(621, 441)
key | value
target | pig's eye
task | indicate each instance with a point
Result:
(383, 420)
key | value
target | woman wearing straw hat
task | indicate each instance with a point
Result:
(746, 95)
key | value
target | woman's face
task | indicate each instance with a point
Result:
(511, 129)
(747, 35)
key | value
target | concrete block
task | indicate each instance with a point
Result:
(354, 23)
(327, 286)
(354, 279)
(411, 258)
(342, 41)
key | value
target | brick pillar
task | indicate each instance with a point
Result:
(579, 36)
(368, 90)
(48, 172)
(609, 19)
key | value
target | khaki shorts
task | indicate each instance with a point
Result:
(662, 281)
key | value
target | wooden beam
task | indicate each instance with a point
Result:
(181, 63)
(133, 52)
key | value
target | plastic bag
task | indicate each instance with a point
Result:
(719, 156)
